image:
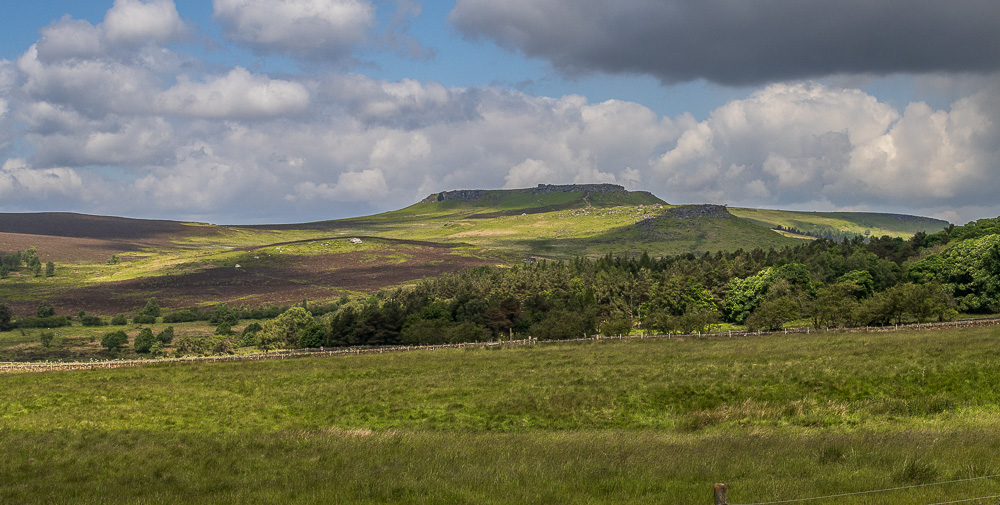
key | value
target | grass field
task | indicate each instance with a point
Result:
(642, 421)
(843, 223)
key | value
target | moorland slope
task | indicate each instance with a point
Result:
(107, 264)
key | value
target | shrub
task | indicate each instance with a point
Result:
(560, 325)
(144, 341)
(313, 335)
(264, 312)
(6, 316)
(45, 310)
(284, 330)
(181, 316)
(249, 336)
(619, 324)
(223, 313)
(89, 320)
(166, 336)
(773, 314)
(188, 345)
(152, 308)
(156, 349)
(191, 345)
(222, 346)
(144, 319)
(114, 340)
(248, 340)
(44, 322)
(46, 338)
(119, 320)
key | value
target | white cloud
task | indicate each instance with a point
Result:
(313, 29)
(239, 94)
(94, 87)
(133, 142)
(128, 27)
(365, 185)
(809, 144)
(80, 115)
(20, 182)
(529, 173)
(137, 21)
(70, 38)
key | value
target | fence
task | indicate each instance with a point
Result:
(53, 366)
(295, 353)
(721, 493)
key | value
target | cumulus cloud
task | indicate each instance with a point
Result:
(19, 181)
(138, 21)
(238, 94)
(69, 38)
(127, 142)
(95, 86)
(365, 185)
(406, 104)
(128, 26)
(312, 29)
(127, 128)
(807, 144)
(743, 42)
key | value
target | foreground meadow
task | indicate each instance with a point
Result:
(645, 421)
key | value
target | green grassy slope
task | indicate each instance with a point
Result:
(566, 224)
(485, 226)
(642, 421)
(841, 224)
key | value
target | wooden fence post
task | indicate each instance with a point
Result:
(721, 495)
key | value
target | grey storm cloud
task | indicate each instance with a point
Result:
(742, 42)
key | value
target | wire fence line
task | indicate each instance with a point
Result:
(294, 353)
(885, 490)
(967, 500)
(260, 356)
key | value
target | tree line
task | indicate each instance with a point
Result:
(855, 282)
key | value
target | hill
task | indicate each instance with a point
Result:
(108, 265)
(69, 224)
(838, 225)
(567, 221)
(70, 237)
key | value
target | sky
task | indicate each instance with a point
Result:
(283, 111)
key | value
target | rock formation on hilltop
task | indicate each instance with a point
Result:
(471, 195)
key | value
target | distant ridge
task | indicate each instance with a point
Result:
(471, 195)
(71, 224)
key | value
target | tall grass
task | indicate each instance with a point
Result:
(654, 421)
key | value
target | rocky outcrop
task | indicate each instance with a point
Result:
(704, 210)
(463, 195)
(471, 195)
(570, 188)
(647, 227)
